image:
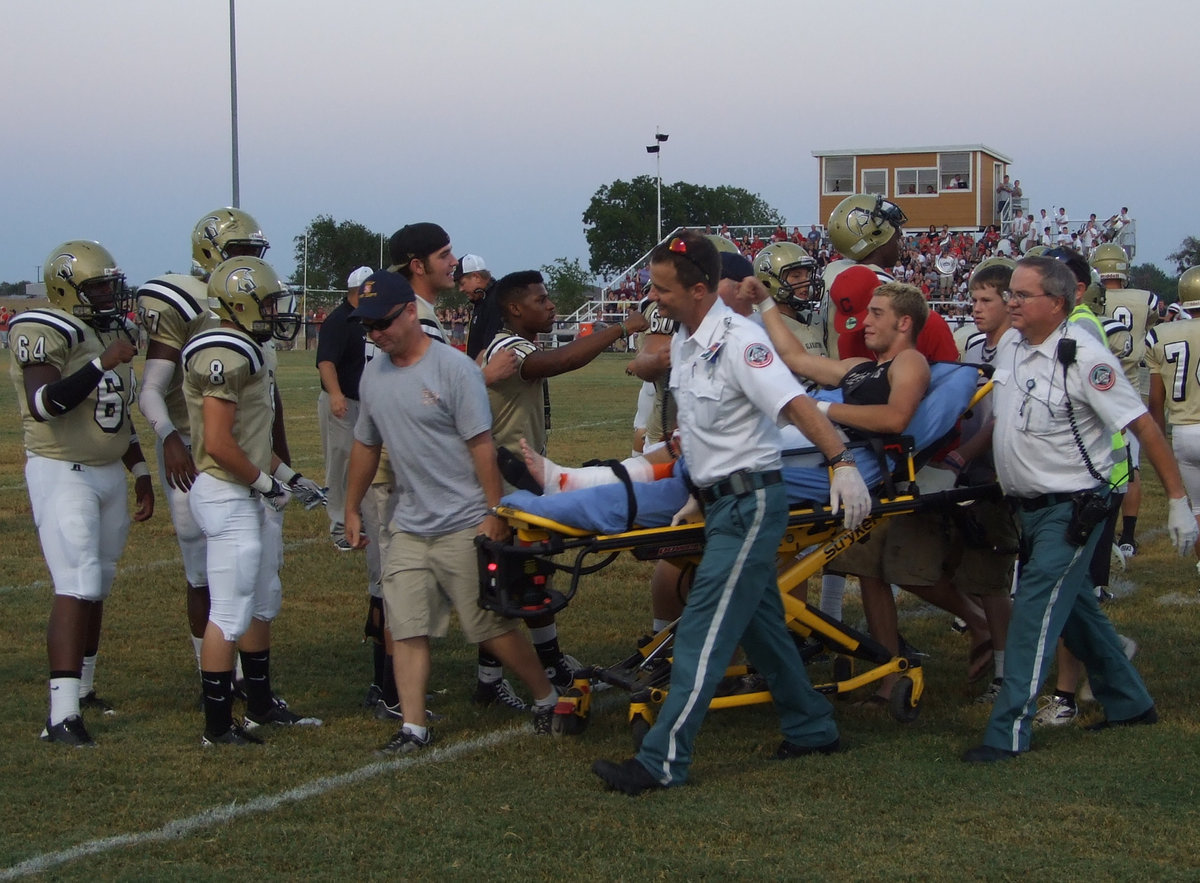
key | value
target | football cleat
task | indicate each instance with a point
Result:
(235, 735)
(69, 731)
(405, 742)
(92, 702)
(280, 715)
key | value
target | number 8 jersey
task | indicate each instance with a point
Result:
(93, 433)
(227, 364)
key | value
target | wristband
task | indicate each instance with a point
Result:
(624, 332)
(263, 484)
(823, 407)
(767, 305)
(284, 473)
(955, 461)
(139, 470)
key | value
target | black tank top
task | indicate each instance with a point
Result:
(867, 384)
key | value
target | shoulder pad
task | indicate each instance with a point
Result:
(72, 330)
(171, 291)
(223, 340)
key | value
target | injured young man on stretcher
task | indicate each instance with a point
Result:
(899, 392)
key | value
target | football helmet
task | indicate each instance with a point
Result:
(248, 292)
(862, 223)
(82, 278)
(1111, 262)
(1189, 289)
(723, 243)
(775, 262)
(998, 261)
(223, 234)
(1036, 251)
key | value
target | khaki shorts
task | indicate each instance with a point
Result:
(424, 577)
(906, 550)
(987, 571)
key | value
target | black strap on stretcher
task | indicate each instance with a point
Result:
(630, 497)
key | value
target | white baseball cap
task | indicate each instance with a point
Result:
(471, 263)
(358, 277)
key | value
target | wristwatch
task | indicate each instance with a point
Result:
(845, 458)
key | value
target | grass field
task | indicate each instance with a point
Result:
(495, 802)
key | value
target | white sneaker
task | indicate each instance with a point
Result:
(1053, 711)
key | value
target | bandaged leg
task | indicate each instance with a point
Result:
(555, 478)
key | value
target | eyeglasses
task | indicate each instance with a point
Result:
(1020, 297)
(381, 324)
(679, 246)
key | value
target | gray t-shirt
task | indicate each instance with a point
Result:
(424, 414)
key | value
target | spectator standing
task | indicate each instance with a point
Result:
(341, 355)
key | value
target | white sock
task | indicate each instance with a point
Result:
(543, 633)
(87, 678)
(419, 732)
(998, 661)
(489, 674)
(833, 587)
(197, 643)
(64, 699)
(550, 699)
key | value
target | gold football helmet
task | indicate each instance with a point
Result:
(1036, 251)
(999, 261)
(82, 278)
(772, 267)
(862, 223)
(248, 292)
(1111, 262)
(723, 243)
(1189, 289)
(224, 234)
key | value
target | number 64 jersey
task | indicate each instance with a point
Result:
(226, 363)
(1173, 353)
(96, 431)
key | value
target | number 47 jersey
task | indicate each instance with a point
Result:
(1172, 352)
(96, 431)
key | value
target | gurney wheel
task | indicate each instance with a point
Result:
(638, 728)
(901, 704)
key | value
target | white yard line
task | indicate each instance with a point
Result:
(219, 815)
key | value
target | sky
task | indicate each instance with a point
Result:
(499, 120)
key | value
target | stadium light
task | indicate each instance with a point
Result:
(656, 149)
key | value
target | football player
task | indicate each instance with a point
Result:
(1138, 311)
(74, 382)
(173, 308)
(1171, 353)
(229, 385)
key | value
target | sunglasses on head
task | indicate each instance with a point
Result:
(679, 246)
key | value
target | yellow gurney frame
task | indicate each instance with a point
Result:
(814, 537)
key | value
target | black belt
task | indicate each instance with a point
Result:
(1041, 501)
(739, 484)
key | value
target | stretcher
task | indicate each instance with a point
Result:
(559, 540)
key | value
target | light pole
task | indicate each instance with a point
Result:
(233, 105)
(656, 149)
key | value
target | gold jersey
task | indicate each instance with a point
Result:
(1134, 308)
(96, 431)
(520, 407)
(173, 309)
(661, 422)
(1172, 350)
(227, 364)
(812, 337)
